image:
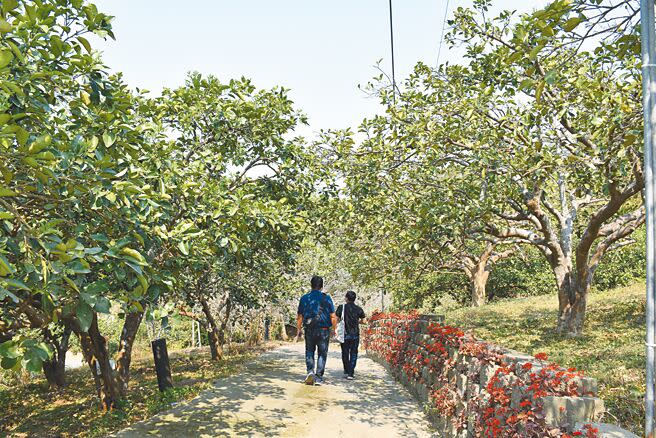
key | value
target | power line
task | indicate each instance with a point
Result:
(439, 49)
(392, 44)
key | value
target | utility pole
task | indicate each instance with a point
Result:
(649, 107)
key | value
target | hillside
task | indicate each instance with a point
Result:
(612, 349)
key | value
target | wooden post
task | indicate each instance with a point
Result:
(162, 364)
(266, 328)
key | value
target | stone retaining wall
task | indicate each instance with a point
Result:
(471, 388)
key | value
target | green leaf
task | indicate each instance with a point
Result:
(90, 299)
(183, 248)
(5, 267)
(5, 57)
(21, 136)
(100, 237)
(538, 92)
(547, 31)
(108, 139)
(34, 364)
(17, 53)
(143, 282)
(16, 284)
(572, 23)
(97, 287)
(135, 267)
(85, 43)
(5, 191)
(84, 314)
(102, 305)
(8, 362)
(550, 77)
(78, 267)
(9, 349)
(4, 293)
(9, 5)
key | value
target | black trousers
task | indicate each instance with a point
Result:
(350, 353)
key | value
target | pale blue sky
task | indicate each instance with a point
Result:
(321, 50)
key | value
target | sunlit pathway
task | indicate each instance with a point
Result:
(267, 399)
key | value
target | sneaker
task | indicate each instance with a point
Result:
(350, 378)
(319, 381)
(310, 379)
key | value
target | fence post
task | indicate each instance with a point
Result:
(162, 364)
(266, 328)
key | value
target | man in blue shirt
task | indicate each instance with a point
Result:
(316, 314)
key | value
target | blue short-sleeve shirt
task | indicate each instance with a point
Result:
(309, 305)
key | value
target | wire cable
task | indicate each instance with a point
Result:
(392, 45)
(439, 49)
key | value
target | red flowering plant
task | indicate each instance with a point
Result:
(470, 383)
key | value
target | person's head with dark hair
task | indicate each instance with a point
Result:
(316, 283)
(350, 296)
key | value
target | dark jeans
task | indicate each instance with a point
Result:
(350, 353)
(318, 340)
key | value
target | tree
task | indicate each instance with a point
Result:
(101, 211)
(68, 152)
(238, 189)
(536, 140)
(413, 208)
(576, 167)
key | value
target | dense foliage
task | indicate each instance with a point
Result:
(115, 203)
(531, 148)
(514, 173)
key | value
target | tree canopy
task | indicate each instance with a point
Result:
(205, 202)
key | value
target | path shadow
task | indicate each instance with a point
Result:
(268, 399)
(210, 413)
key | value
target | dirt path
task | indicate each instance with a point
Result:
(267, 399)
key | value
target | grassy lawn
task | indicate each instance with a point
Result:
(612, 349)
(32, 410)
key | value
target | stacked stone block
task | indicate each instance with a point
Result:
(466, 381)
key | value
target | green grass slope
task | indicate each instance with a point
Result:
(612, 348)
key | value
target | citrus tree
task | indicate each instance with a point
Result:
(536, 141)
(112, 202)
(239, 190)
(71, 198)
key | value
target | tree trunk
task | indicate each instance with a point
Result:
(254, 331)
(477, 284)
(128, 334)
(572, 300)
(55, 368)
(224, 323)
(94, 348)
(283, 333)
(213, 330)
(477, 268)
(214, 351)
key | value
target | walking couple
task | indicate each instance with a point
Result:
(318, 317)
